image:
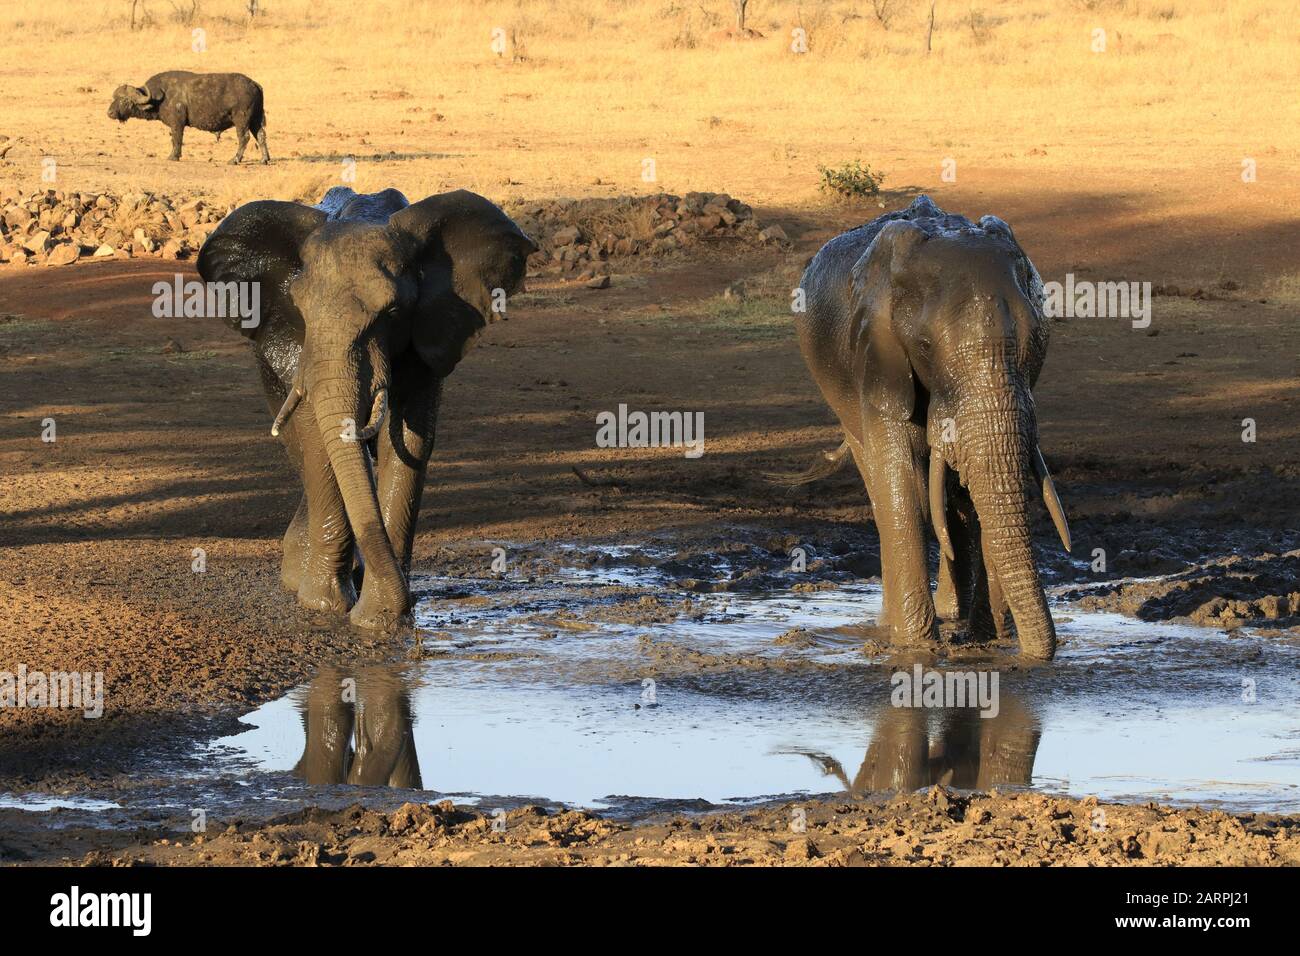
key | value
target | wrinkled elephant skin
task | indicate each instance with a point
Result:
(367, 302)
(925, 332)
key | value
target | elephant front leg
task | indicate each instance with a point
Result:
(404, 447)
(898, 501)
(326, 579)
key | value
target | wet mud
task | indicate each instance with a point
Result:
(590, 690)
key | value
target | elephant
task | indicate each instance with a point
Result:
(366, 303)
(925, 333)
(913, 747)
(359, 732)
(214, 102)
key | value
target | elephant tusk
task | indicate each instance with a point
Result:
(1051, 499)
(939, 503)
(378, 412)
(290, 403)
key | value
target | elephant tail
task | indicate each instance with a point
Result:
(823, 466)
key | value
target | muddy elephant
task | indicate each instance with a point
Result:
(914, 747)
(926, 334)
(367, 303)
(359, 730)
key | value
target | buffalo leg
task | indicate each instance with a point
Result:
(178, 136)
(242, 134)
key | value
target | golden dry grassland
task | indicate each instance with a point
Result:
(575, 95)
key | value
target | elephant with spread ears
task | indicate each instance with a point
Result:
(367, 302)
(925, 333)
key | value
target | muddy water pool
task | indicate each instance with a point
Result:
(613, 688)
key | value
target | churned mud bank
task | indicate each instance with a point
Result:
(624, 704)
(936, 827)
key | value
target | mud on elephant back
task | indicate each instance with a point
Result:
(367, 303)
(925, 332)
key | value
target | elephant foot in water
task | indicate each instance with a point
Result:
(916, 628)
(327, 592)
(376, 611)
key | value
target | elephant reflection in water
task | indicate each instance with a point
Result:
(914, 747)
(359, 731)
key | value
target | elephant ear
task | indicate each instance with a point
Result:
(888, 381)
(457, 245)
(261, 242)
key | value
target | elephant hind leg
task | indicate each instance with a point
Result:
(955, 595)
(294, 547)
(990, 617)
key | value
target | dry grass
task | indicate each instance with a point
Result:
(579, 94)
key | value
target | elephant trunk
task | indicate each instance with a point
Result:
(341, 404)
(998, 442)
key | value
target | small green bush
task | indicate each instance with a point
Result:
(849, 181)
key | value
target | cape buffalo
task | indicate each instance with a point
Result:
(208, 101)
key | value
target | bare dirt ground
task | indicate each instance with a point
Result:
(163, 450)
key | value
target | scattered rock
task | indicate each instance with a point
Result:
(577, 235)
(38, 242)
(566, 236)
(63, 254)
(142, 240)
(801, 849)
(57, 227)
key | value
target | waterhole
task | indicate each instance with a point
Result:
(610, 686)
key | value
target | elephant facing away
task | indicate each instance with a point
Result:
(367, 303)
(925, 332)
